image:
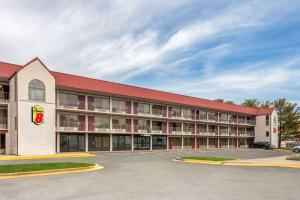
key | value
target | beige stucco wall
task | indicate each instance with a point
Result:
(274, 128)
(35, 139)
(12, 139)
(261, 128)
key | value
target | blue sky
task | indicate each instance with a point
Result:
(211, 49)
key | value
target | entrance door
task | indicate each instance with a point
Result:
(2, 143)
(141, 142)
(72, 142)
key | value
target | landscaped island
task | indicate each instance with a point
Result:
(206, 158)
(16, 168)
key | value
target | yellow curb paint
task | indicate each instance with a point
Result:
(203, 162)
(50, 172)
(56, 156)
(232, 163)
(262, 164)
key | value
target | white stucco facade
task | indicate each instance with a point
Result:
(262, 128)
(28, 138)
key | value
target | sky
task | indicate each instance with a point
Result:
(233, 50)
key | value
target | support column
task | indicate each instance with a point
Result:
(131, 110)
(86, 142)
(110, 142)
(168, 129)
(207, 143)
(57, 142)
(167, 114)
(132, 143)
(181, 128)
(150, 142)
(110, 104)
(86, 102)
(150, 109)
(195, 143)
(228, 143)
(182, 143)
(167, 143)
(110, 124)
(218, 140)
(86, 124)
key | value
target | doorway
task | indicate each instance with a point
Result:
(2, 143)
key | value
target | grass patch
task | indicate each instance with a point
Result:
(4, 169)
(206, 158)
(294, 157)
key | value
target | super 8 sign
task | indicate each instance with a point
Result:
(37, 115)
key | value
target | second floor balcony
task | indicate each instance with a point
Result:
(71, 126)
(71, 101)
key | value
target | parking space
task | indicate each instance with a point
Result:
(153, 175)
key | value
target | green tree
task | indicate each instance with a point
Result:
(219, 100)
(253, 103)
(288, 118)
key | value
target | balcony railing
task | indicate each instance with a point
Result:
(232, 133)
(201, 117)
(188, 130)
(233, 121)
(119, 110)
(142, 112)
(156, 129)
(119, 127)
(94, 107)
(175, 130)
(157, 112)
(72, 105)
(71, 126)
(142, 128)
(224, 133)
(4, 96)
(3, 123)
(98, 127)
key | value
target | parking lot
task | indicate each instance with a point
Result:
(153, 175)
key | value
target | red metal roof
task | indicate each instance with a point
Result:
(84, 83)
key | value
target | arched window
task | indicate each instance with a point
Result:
(36, 90)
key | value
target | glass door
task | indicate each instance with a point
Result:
(2, 143)
(72, 142)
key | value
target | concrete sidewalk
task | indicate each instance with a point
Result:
(277, 159)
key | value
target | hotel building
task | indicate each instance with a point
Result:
(45, 112)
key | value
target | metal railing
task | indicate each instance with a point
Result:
(4, 96)
(3, 123)
(96, 107)
(72, 105)
(72, 125)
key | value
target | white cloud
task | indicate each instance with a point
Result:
(117, 40)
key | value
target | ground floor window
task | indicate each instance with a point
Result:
(141, 142)
(175, 143)
(121, 142)
(99, 142)
(70, 142)
(223, 143)
(188, 142)
(202, 142)
(159, 142)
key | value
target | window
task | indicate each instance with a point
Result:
(36, 90)
(267, 134)
(274, 121)
(267, 120)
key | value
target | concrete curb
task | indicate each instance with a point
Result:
(50, 172)
(55, 156)
(237, 163)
